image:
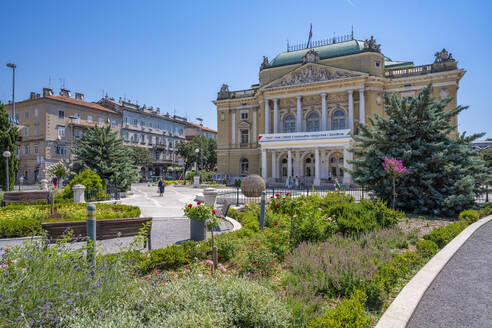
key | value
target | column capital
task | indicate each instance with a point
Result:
(275, 100)
(350, 92)
(323, 94)
(361, 90)
(298, 98)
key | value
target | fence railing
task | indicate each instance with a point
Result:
(485, 196)
(112, 192)
(236, 197)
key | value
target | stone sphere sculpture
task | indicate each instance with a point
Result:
(253, 185)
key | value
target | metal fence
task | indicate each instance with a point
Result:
(96, 195)
(485, 196)
(236, 197)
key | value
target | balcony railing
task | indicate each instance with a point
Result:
(330, 134)
(410, 71)
(236, 94)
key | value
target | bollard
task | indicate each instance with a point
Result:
(237, 196)
(262, 210)
(91, 234)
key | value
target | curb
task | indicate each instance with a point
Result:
(235, 224)
(402, 308)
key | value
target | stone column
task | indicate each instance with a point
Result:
(78, 193)
(296, 164)
(267, 116)
(299, 115)
(347, 177)
(274, 164)
(350, 110)
(317, 178)
(362, 106)
(264, 164)
(233, 128)
(289, 164)
(44, 185)
(275, 115)
(323, 112)
(254, 139)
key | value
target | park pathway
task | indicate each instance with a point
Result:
(461, 295)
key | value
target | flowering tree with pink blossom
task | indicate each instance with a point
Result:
(395, 169)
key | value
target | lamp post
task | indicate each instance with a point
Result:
(13, 66)
(7, 154)
(196, 162)
(201, 141)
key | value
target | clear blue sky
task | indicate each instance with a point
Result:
(173, 54)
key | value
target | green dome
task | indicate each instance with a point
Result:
(329, 51)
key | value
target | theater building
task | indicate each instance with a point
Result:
(300, 118)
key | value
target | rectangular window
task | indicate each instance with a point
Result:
(61, 150)
(244, 136)
(61, 132)
(135, 122)
(36, 129)
(89, 118)
(222, 116)
(101, 122)
(244, 115)
(61, 114)
(36, 112)
(150, 140)
(113, 124)
(26, 114)
(77, 133)
(26, 150)
(36, 149)
(26, 131)
(142, 139)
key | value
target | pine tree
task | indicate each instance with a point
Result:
(9, 135)
(103, 151)
(443, 175)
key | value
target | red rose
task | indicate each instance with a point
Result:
(288, 194)
(262, 271)
(276, 223)
(277, 206)
(198, 203)
(213, 211)
(190, 206)
(285, 198)
(271, 197)
(276, 195)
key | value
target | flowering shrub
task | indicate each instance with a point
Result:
(200, 212)
(282, 204)
(393, 167)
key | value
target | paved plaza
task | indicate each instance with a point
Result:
(169, 225)
(461, 295)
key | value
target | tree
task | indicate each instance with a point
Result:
(187, 151)
(9, 135)
(141, 156)
(443, 175)
(59, 170)
(102, 151)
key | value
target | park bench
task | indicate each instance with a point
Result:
(222, 211)
(25, 197)
(105, 229)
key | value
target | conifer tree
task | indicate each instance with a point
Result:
(443, 175)
(9, 135)
(103, 151)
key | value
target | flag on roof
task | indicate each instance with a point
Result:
(310, 35)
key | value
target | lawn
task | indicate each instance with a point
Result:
(25, 220)
(319, 262)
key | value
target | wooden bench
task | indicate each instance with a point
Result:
(12, 197)
(105, 229)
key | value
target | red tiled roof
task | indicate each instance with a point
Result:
(198, 126)
(81, 103)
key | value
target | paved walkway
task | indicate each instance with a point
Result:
(461, 295)
(169, 225)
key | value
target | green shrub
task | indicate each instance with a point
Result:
(469, 216)
(427, 248)
(375, 295)
(227, 246)
(487, 210)
(443, 235)
(256, 259)
(400, 267)
(197, 303)
(171, 257)
(90, 179)
(349, 313)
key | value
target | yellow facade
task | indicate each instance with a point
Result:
(273, 128)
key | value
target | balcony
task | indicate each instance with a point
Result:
(393, 73)
(236, 94)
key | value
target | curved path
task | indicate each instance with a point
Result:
(461, 295)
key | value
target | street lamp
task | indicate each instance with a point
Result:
(7, 154)
(13, 66)
(196, 162)
(201, 141)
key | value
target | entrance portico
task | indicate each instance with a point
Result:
(310, 155)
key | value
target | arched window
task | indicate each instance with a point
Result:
(289, 123)
(244, 166)
(338, 120)
(313, 122)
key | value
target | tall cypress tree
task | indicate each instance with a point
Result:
(9, 135)
(103, 151)
(443, 175)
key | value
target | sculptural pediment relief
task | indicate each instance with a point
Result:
(244, 124)
(312, 73)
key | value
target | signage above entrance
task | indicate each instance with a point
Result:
(332, 134)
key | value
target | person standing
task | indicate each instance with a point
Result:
(330, 176)
(161, 185)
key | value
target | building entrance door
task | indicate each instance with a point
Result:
(336, 162)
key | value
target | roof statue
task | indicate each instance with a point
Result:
(224, 88)
(310, 57)
(443, 56)
(371, 45)
(265, 63)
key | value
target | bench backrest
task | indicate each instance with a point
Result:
(105, 229)
(222, 212)
(25, 196)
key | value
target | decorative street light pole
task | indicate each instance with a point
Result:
(7, 154)
(13, 66)
(201, 141)
(196, 162)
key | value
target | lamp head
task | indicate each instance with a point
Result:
(6, 154)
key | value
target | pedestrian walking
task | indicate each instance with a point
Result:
(55, 182)
(337, 185)
(161, 185)
(330, 176)
(297, 182)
